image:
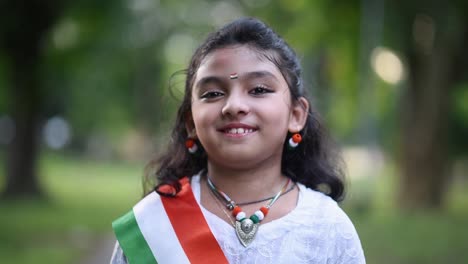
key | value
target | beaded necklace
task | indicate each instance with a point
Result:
(246, 228)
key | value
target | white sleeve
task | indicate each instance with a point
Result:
(118, 256)
(348, 249)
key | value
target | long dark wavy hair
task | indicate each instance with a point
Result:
(316, 163)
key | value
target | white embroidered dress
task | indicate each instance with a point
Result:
(316, 231)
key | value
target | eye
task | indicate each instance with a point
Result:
(211, 95)
(260, 89)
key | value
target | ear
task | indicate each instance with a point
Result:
(298, 116)
(190, 126)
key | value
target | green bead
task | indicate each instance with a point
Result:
(254, 218)
(242, 219)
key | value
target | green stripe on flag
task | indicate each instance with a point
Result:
(131, 240)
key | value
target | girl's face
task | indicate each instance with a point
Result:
(242, 109)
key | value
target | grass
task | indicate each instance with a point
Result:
(422, 237)
(85, 196)
(83, 199)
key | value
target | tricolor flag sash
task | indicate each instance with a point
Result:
(167, 230)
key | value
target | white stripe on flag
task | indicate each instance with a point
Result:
(158, 231)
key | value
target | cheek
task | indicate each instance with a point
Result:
(202, 118)
(279, 111)
(197, 121)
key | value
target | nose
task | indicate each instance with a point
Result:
(235, 105)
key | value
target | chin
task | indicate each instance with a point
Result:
(238, 161)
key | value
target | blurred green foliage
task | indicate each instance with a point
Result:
(107, 64)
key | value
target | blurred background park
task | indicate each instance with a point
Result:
(86, 102)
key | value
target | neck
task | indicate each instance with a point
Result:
(247, 184)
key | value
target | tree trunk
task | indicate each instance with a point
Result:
(437, 54)
(22, 175)
(424, 131)
(24, 26)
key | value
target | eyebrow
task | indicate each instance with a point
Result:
(259, 74)
(208, 79)
(248, 75)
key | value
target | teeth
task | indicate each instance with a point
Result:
(239, 130)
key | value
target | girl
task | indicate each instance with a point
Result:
(249, 176)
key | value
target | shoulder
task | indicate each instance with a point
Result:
(337, 227)
(322, 205)
(149, 203)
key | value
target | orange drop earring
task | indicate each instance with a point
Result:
(295, 140)
(191, 145)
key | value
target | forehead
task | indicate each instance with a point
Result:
(236, 59)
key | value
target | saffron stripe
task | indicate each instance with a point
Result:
(191, 228)
(158, 231)
(131, 240)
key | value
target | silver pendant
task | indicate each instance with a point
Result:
(246, 231)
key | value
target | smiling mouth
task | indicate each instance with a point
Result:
(238, 131)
